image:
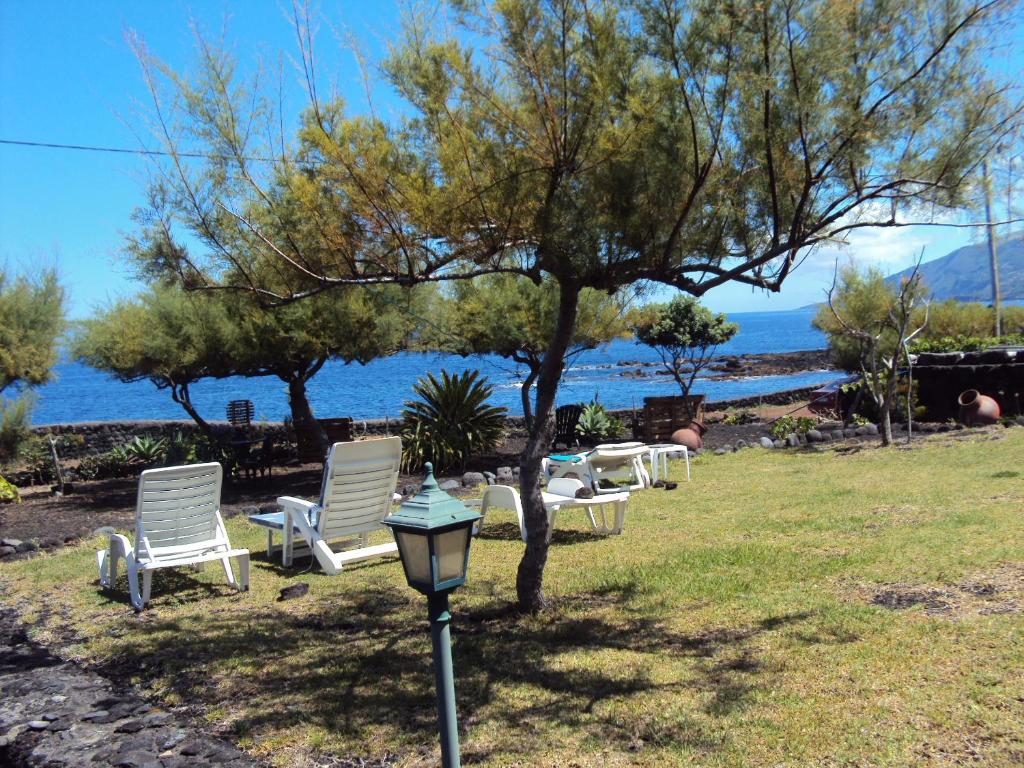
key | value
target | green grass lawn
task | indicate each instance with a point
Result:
(735, 623)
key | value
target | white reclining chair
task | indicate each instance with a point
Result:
(177, 522)
(560, 494)
(612, 461)
(356, 495)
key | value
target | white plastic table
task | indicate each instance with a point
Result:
(659, 455)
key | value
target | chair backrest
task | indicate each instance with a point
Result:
(358, 486)
(337, 430)
(621, 453)
(566, 419)
(240, 413)
(178, 509)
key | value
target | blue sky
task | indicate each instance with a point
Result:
(67, 76)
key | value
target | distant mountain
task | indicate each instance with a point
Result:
(965, 274)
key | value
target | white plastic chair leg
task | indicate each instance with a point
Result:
(226, 562)
(286, 545)
(620, 516)
(243, 572)
(551, 525)
(108, 559)
(147, 587)
(134, 594)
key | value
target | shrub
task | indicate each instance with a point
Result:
(595, 424)
(787, 425)
(450, 422)
(182, 448)
(104, 466)
(964, 343)
(14, 425)
(145, 450)
(741, 417)
(8, 492)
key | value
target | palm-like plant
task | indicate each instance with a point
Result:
(451, 421)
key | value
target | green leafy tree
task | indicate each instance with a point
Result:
(294, 342)
(510, 316)
(872, 321)
(598, 145)
(685, 334)
(165, 336)
(32, 319)
(175, 338)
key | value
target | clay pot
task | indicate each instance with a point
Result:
(976, 408)
(692, 436)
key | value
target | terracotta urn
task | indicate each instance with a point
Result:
(691, 436)
(977, 409)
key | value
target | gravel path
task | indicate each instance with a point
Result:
(53, 713)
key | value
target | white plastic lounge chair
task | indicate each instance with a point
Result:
(177, 522)
(612, 461)
(356, 495)
(560, 494)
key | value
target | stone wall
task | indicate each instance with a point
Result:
(101, 436)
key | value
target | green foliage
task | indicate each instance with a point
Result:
(596, 424)
(511, 316)
(450, 422)
(788, 425)
(685, 334)
(145, 450)
(956, 319)
(8, 492)
(36, 457)
(964, 343)
(182, 448)
(14, 425)
(31, 321)
(114, 463)
(864, 301)
(168, 336)
(740, 417)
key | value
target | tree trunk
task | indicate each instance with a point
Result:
(180, 395)
(530, 577)
(524, 393)
(886, 425)
(308, 434)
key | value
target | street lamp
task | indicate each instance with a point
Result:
(433, 531)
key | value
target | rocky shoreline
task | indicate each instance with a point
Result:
(742, 366)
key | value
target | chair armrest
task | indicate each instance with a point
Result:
(289, 503)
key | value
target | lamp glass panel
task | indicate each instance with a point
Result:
(415, 556)
(450, 548)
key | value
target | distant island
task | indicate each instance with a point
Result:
(965, 274)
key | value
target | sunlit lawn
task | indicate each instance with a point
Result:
(731, 624)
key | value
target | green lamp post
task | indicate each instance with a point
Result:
(433, 531)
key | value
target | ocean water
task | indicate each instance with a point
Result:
(379, 389)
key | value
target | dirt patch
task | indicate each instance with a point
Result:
(987, 593)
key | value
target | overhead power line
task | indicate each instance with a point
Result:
(126, 151)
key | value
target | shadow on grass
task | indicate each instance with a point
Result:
(506, 531)
(361, 667)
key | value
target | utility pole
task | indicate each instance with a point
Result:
(992, 254)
